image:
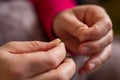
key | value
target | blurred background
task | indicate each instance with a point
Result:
(113, 9)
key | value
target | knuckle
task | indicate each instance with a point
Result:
(96, 46)
(108, 23)
(110, 54)
(110, 38)
(100, 60)
(95, 32)
(81, 30)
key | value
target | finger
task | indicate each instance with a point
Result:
(98, 30)
(96, 60)
(76, 28)
(30, 46)
(90, 47)
(72, 24)
(43, 61)
(63, 72)
(89, 13)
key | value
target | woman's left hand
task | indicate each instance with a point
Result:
(86, 30)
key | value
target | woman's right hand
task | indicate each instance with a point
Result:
(35, 60)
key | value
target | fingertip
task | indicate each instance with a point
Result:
(56, 41)
(53, 43)
(62, 44)
(59, 46)
(87, 68)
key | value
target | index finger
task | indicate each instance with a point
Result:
(19, 47)
(43, 61)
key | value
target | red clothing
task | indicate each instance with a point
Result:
(47, 9)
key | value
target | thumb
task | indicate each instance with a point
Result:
(76, 27)
(30, 46)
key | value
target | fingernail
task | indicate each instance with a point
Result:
(91, 67)
(62, 43)
(85, 50)
(56, 40)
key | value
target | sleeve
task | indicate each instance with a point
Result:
(47, 9)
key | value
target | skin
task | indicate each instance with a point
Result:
(80, 27)
(86, 30)
(35, 60)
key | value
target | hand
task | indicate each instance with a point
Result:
(86, 30)
(35, 61)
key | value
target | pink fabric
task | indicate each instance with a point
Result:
(47, 9)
